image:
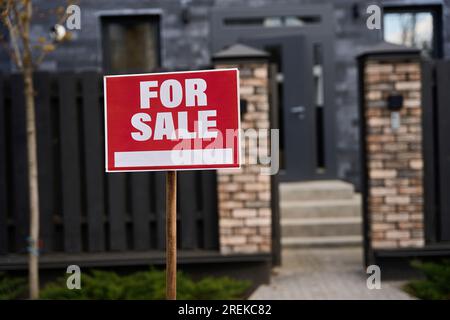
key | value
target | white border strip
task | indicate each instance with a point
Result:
(105, 112)
(238, 144)
(173, 158)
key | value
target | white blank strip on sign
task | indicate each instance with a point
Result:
(173, 157)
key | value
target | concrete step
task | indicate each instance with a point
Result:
(317, 227)
(316, 190)
(321, 208)
(329, 241)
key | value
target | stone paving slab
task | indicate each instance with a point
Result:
(323, 274)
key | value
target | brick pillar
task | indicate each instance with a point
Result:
(244, 194)
(394, 160)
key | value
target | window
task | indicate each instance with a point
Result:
(130, 43)
(417, 27)
(272, 21)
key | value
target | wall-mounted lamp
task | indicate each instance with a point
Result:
(57, 33)
(395, 102)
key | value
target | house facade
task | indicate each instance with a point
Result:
(319, 121)
(185, 34)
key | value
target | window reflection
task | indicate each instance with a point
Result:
(412, 29)
(130, 43)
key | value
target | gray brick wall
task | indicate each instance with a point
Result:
(182, 45)
(187, 46)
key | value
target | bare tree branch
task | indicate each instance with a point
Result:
(16, 16)
(8, 50)
(17, 20)
(13, 39)
(44, 53)
(25, 34)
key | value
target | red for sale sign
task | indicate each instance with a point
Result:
(172, 121)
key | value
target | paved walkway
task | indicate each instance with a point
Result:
(315, 274)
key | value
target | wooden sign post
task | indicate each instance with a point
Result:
(171, 235)
(172, 121)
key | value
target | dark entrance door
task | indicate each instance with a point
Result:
(300, 41)
(305, 151)
(294, 103)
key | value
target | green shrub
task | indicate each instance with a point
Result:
(219, 289)
(436, 285)
(148, 285)
(12, 287)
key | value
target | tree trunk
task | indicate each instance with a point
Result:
(33, 262)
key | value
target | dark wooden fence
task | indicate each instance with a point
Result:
(82, 208)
